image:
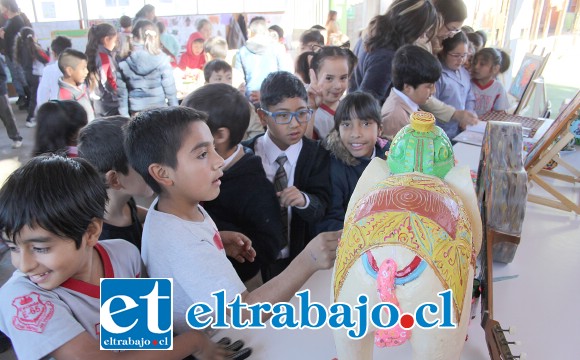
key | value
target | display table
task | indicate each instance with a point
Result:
(546, 264)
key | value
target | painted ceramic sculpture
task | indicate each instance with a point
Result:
(412, 230)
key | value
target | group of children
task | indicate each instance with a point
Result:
(417, 75)
(254, 217)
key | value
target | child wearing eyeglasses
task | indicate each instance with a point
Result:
(353, 143)
(454, 86)
(297, 166)
(247, 202)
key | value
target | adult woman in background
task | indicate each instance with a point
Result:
(452, 14)
(405, 22)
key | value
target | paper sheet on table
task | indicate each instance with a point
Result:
(479, 127)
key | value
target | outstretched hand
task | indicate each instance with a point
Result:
(208, 350)
(238, 246)
(322, 249)
(465, 117)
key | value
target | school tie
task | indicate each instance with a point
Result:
(281, 183)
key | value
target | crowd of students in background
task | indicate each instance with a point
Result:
(272, 147)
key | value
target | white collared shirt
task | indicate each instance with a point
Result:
(228, 161)
(407, 100)
(269, 152)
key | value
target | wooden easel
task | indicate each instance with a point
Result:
(536, 173)
(546, 150)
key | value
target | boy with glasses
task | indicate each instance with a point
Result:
(298, 167)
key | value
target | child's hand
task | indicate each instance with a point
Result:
(314, 92)
(465, 117)
(291, 196)
(322, 249)
(238, 246)
(208, 350)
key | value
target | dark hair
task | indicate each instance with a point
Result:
(70, 58)
(142, 14)
(451, 10)
(360, 105)
(58, 125)
(201, 23)
(467, 29)
(125, 21)
(451, 43)
(413, 65)
(101, 144)
(160, 26)
(483, 36)
(10, 5)
(404, 23)
(96, 35)
(318, 27)
(59, 44)
(59, 195)
(475, 39)
(302, 66)
(225, 107)
(333, 52)
(155, 136)
(150, 39)
(281, 85)
(216, 47)
(278, 30)
(495, 56)
(505, 61)
(25, 46)
(215, 65)
(312, 36)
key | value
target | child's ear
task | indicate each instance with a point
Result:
(93, 232)
(221, 136)
(112, 179)
(161, 174)
(68, 71)
(262, 115)
(496, 69)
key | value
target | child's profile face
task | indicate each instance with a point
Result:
(197, 47)
(359, 136)
(421, 94)
(284, 135)
(333, 79)
(80, 72)
(483, 69)
(49, 260)
(456, 56)
(133, 184)
(221, 77)
(196, 176)
(109, 42)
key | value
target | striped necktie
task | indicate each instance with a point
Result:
(281, 183)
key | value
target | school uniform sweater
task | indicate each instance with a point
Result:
(345, 170)
(247, 203)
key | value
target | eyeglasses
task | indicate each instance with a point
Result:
(452, 32)
(285, 117)
(458, 56)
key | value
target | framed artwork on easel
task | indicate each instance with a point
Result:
(523, 86)
(546, 150)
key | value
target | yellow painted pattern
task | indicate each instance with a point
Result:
(449, 258)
